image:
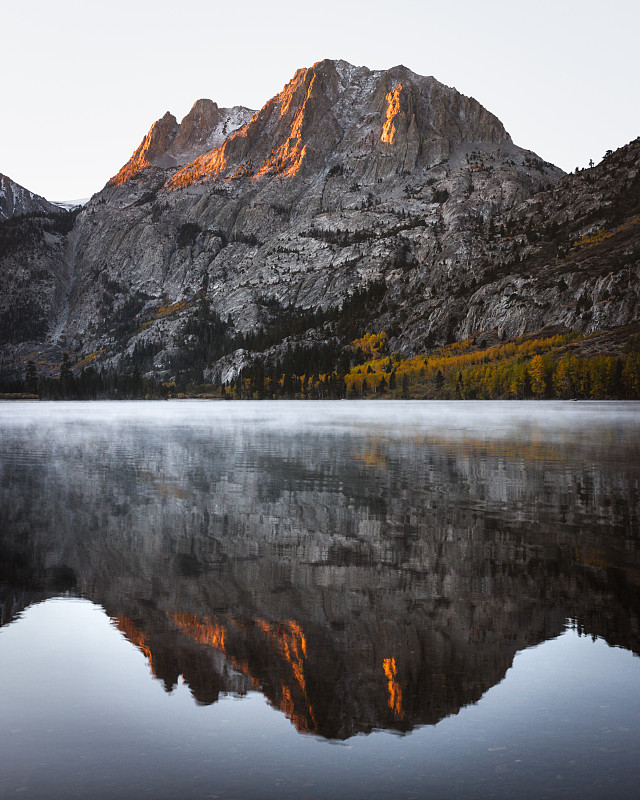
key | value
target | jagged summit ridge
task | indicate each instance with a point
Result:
(206, 126)
(333, 110)
(169, 144)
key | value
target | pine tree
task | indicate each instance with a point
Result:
(31, 378)
(67, 380)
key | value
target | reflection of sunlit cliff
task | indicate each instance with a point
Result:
(249, 645)
(171, 655)
(358, 582)
(136, 637)
(395, 690)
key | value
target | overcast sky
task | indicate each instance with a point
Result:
(83, 80)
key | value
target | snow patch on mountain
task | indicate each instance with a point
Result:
(71, 205)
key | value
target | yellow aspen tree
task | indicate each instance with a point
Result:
(538, 377)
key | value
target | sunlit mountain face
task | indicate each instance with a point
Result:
(360, 575)
(251, 245)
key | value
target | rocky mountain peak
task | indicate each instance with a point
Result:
(169, 144)
(15, 199)
(197, 124)
(206, 126)
(152, 149)
(272, 142)
(436, 110)
(334, 111)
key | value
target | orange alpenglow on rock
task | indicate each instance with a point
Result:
(288, 642)
(152, 147)
(169, 145)
(393, 109)
(272, 139)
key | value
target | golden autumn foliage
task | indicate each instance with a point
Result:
(553, 367)
(518, 369)
(371, 344)
(601, 235)
(172, 308)
(537, 368)
(88, 359)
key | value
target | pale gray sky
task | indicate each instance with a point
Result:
(83, 80)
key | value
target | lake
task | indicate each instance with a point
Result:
(347, 599)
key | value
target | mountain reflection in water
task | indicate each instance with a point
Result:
(361, 575)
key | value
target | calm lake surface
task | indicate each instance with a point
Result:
(319, 600)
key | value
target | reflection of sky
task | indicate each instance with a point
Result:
(82, 715)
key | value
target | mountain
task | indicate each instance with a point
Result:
(15, 199)
(355, 201)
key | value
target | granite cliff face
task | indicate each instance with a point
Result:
(35, 266)
(347, 177)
